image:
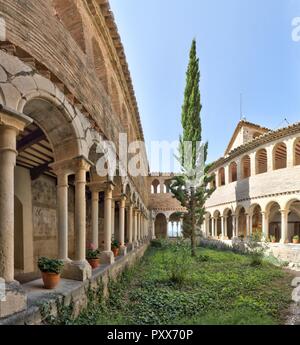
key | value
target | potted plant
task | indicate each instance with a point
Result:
(51, 269)
(296, 239)
(93, 256)
(115, 247)
(273, 239)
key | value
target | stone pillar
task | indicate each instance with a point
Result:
(135, 238)
(290, 156)
(251, 224)
(284, 226)
(113, 213)
(95, 218)
(234, 226)
(222, 228)
(123, 248)
(62, 215)
(10, 126)
(247, 224)
(252, 164)
(107, 255)
(153, 227)
(79, 269)
(225, 227)
(130, 225)
(212, 226)
(269, 150)
(265, 225)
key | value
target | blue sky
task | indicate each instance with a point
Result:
(244, 46)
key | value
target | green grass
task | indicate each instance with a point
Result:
(221, 288)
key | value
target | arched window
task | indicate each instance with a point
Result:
(155, 187)
(297, 152)
(221, 177)
(232, 172)
(246, 167)
(279, 156)
(69, 14)
(100, 65)
(261, 161)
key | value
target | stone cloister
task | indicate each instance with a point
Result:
(257, 189)
(65, 88)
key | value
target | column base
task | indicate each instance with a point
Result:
(107, 257)
(77, 270)
(12, 298)
(123, 250)
(130, 247)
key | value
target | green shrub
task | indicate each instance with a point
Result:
(50, 265)
(156, 243)
(202, 258)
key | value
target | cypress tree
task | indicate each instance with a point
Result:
(190, 194)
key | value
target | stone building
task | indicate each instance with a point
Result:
(258, 188)
(65, 88)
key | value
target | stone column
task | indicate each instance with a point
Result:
(122, 225)
(234, 226)
(130, 225)
(212, 226)
(62, 215)
(135, 227)
(107, 255)
(222, 228)
(138, 224)
(113, 213)
(251, 224)
(79, 268)
(284, 226)
(95, 218)
(225, 227)
(265, 225)
(247, 224)
(153, 227)
(10, 125)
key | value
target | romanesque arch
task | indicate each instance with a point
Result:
(246, 166)
(261, 161)
(161, 226)
(233, 172)
(279, 156)
(296, 150)
(221, 176)
(70, 16)
(99, 64)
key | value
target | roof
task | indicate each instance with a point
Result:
(262, 139)
(237, 129)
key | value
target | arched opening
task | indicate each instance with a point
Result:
(221, 177)
(246, 167)
(279, 156)
(242, 223)
(115, 99)
(174, 226)
(274, 222)
(161, 226)
(261, 161)
(256, 220)
(218, 226)
(70, 16)
(293, 220)
(229, 225)
(155, 187)
(233, 172)
(99, 64)
(297, 152)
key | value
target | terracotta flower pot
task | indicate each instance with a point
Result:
(295, 241)
(94, 263)
(115, 251)
(50, 280)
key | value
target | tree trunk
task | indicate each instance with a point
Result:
(193, 223)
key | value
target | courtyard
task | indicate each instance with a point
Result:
(215, 288)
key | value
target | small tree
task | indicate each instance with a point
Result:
(190, 187)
